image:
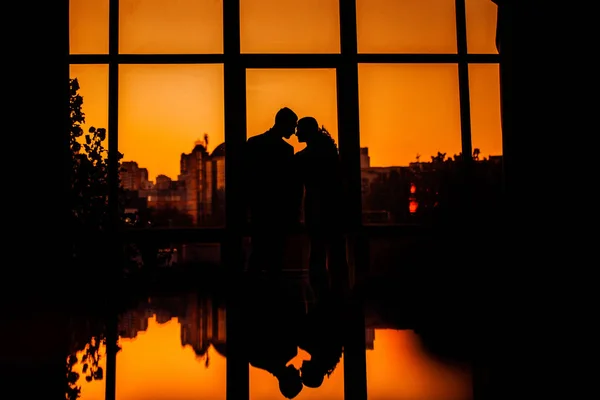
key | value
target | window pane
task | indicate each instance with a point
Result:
(486, 138)
(171, 27)
(486, 126)
(173, 347)
(398, 366)
(409, 114)
(481, 26)
(93, 87)
(88, 31)
(309, 92)
(407, 26)
(171, 136)
(289, 26)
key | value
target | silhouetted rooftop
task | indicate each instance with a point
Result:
(221, 348)
(199, 148)
(219, 151)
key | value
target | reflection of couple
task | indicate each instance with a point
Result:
(276, 180)
(280, 325)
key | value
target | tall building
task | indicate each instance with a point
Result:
(365, 159)
(133, 177)
(196, 172)
(163, 182)
(199, 190)
(203, 175)
(203, 325)
(218, 180)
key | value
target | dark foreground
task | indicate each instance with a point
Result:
(213, 337)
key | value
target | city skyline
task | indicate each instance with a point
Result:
(423, 158)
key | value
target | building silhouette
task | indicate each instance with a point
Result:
(198, 191)
(203, 325)
(133, 177)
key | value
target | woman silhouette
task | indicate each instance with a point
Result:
(319, 169)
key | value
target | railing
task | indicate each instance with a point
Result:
(218, 234)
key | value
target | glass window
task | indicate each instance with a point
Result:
(170, 27)
(88, 31)
(481, 26)
(171, 134)
(409, 118)
(289, 26)
(308, 92)
(93, 87)
(406, 26)
(486, 126)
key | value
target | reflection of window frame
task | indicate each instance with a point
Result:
(235, 64)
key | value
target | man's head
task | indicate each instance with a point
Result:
(285, 122)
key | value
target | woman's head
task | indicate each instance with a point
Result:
(307, 129)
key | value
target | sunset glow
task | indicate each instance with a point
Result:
(155, 365)
(171, 87)
(405, 109)
(398, 368)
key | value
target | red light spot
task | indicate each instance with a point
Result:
(413, 206)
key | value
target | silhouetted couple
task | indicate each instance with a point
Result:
(278, 324)
(277, 181)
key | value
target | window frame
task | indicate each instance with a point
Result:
(235, 65)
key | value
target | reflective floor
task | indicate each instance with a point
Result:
(293, 340)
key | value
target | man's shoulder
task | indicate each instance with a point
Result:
(256, 141)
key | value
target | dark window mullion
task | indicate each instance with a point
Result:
(291, 60)
(113, 110)
(283, 60)
(238, 374)
(89, 58)
(113, 181)
(428, 58)
(355, 366)
(463, 80)
(235, 116)
(171, 58)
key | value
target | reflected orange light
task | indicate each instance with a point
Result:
(397, 368)
(155, 365)
(93, 390)
(413, 188)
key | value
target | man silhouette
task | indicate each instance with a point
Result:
(273, 190)
(274, 314)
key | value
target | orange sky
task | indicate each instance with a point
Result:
(154, 365)
(404, 109)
